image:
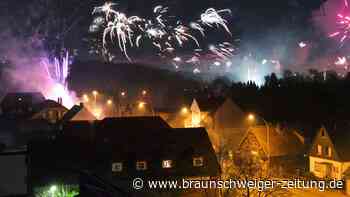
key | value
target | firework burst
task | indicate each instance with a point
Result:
(223, 50)
(212, 17)
(57, 71)
(344, 28)
(166, 35)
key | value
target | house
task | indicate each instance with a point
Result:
(49, 110)
(213, 114)
(27, 115)
(121, 149)
(329, 155)
(20, 104)
(280, 151)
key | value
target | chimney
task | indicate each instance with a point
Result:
(59, 100)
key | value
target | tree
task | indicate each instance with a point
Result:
(271, 81)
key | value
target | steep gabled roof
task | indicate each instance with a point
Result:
(124, 124)
(151, 141)
(20, 104)
(340, 137)
(34, 97)
(154, 146)
(206, 104)
(281, 142)
(229, 115)
(47, 104)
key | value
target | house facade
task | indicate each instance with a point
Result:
(328, 156)
(121, 149)
(277, 151)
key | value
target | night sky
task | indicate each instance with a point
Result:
(268, 29)
(254, 22)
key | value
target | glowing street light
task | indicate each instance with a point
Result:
(123, 93)
(141, 105)
(144, 92)
(109, 102)
(86, 98)
(184, 110)
(251, 117)
(95, 93)
(97, 112)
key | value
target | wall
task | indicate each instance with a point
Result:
(13, 172)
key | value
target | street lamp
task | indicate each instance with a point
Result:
(251, 117)
(86, 98)
(109, 102)
(95, 93)
(141, 105)
(184, 110)
(123, 93)
(144, 92)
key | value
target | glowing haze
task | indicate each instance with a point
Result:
(31, 69)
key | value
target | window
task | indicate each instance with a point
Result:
(329, 151)
(230, 154)
(117, 167)
(319, 149)
(318, 167)
(198, 161)
(167, 164)
(141, 165)
(322, 133)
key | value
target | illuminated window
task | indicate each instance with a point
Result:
(167, 163)
(319, 149)
(117, 167)
(318, 167)
(141, 165)
(230, 154)
(198, 161)
(329, 151)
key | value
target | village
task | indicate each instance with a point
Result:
(47, 144)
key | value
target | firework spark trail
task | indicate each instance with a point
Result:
(223, 50)
(344, 28)
(341, 61)
(57, 71)
(212, 17)
(198, 27)
(164, 34)
(181, 35)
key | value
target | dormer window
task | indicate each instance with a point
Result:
(198, 161)
(319, 149)
(322, 133)
(117, 167)
(141, 165)
(167, 164)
